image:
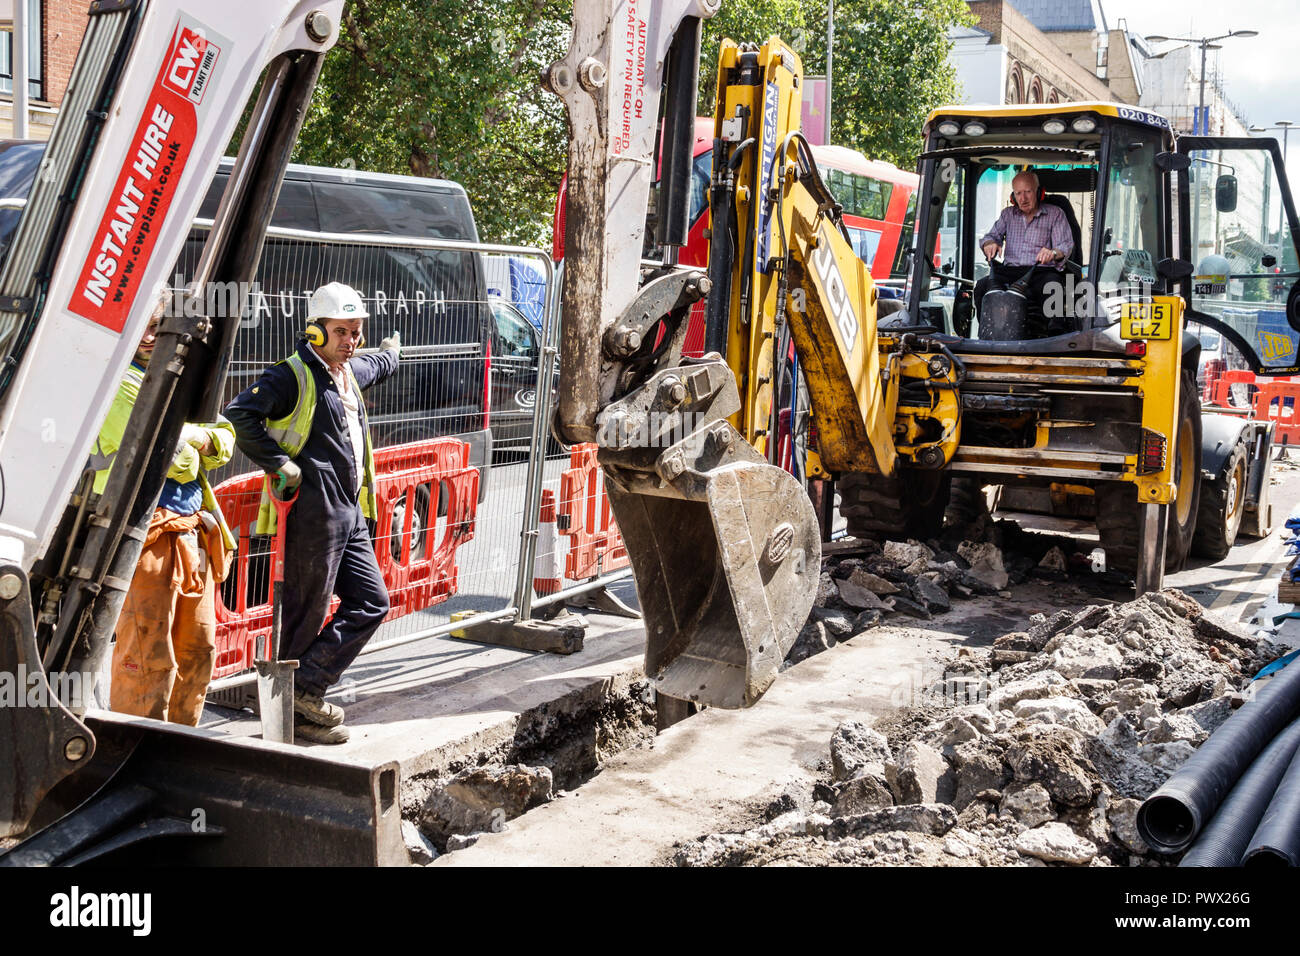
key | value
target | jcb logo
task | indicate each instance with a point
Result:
(836, 294)
(1274, 347)
(189, 63)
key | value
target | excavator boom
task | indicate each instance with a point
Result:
(725, 547)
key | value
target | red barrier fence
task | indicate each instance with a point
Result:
(1278, 401)
(584, 517)
(415, 546)
(1221, 394)
(1274, 400)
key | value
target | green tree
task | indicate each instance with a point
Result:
(449, 89)
(890, 69)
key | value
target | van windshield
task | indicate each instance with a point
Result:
(18, 164)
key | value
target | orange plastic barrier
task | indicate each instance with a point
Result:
(1222, 395)
(419, 571)
(437, 476)
(583, 516)
(1279, 402)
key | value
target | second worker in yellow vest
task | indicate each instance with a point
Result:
(304, 423)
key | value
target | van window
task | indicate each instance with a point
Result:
(295, 209)
(346, 207)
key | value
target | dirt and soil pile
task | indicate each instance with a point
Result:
(1035, 752)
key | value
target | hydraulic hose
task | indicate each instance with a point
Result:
(1170, 819)
(1226, 837)
(1277, 840)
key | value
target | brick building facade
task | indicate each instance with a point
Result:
(62, 27)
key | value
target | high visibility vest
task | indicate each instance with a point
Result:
(118, 414)
(292, 431)
(110, 433)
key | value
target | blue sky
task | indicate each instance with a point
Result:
(1260, 74)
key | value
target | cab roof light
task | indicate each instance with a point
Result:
(1083, 124)
(949, 127)
(974, 128)
(1054, 126)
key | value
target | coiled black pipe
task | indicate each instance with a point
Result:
(1170, 819)
(1277, 841)
(1226, 837)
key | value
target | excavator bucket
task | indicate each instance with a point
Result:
(726, 548)
(725, 576)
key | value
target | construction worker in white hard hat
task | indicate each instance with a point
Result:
(304, 423)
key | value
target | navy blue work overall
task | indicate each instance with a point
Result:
(328, 548)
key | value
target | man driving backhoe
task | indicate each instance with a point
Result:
(1034, 233)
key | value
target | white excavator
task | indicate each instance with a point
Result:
(155, 95)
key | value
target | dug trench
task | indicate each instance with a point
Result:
(1048, 704)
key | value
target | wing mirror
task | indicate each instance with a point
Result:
(1225, 193)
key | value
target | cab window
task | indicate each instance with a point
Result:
(1130, 246)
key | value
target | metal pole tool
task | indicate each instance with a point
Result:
(274, 676)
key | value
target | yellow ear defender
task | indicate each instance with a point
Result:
(315, 334)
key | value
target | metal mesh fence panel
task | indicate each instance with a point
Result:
(469, 373)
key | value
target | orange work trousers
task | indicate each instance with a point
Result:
(167, 631)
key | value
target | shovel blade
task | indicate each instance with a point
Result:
(275, 699)
(726, 575)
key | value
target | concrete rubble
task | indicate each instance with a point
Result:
(866, 584)
(1035, 752)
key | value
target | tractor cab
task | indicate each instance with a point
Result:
(1120, 180)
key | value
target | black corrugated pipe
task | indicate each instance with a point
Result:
(1224, 840)
(1277, 841)
(1170, 819)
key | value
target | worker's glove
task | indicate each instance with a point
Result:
(393, 342)
(287, 478)
(196, 435)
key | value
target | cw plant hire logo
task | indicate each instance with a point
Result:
(76, 909)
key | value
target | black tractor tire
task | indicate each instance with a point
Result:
(1119, 518)
(967, 502)
(1223, 502)
(910, 505)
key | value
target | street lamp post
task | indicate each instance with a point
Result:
(830, 75)
(1284, 126)
(1205, 43)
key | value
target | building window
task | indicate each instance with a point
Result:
(1015, 88)
(35, 74)
(1053, 97)
(1036, 91)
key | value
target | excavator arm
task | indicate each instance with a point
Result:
(155, 95)
(725, 545)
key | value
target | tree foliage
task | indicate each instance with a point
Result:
(449, 88)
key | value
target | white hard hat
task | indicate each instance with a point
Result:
(336, 300)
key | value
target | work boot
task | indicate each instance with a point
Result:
(304, 731)
(314, 708)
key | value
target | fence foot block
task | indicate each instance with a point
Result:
(604, 600)
(561, 635)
